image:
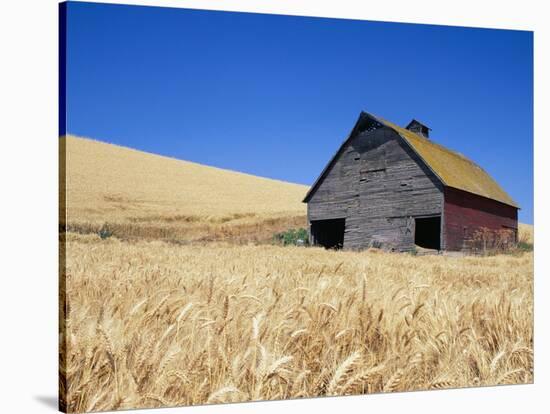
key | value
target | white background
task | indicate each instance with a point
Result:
(28, 202)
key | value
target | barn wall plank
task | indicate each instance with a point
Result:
(378, 183)
(466, 213)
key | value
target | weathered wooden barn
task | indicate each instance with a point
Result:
(394, 188)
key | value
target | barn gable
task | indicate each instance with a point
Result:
(451, 168)
(363, 123)
(371, 192)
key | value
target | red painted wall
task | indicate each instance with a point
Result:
(464, 213)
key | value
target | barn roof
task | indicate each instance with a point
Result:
(452, 169)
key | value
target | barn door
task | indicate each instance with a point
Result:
(427, 232)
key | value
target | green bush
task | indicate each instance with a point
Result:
(525, 246)
(294, 237)
(104, 232)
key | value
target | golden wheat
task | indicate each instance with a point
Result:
(141, 195)
(153, 324)
(526, 233)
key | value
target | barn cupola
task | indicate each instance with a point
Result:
(419, 128)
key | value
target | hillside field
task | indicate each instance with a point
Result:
(188, 300)
(145, 196)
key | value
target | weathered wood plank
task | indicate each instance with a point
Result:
(377, 184)
(466, 213)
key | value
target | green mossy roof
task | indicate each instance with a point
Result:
(452, 168)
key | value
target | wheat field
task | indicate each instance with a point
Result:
(140, 195)
(188, 303)
(526, 233)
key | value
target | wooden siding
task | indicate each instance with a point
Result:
(378, 184)
(465, 213)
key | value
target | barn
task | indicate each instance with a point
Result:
(395, 188)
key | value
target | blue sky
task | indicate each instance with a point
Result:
(275, 96)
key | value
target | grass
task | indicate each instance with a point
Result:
(173, 293)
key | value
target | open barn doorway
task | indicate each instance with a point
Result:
(427, 232)
(328, 233)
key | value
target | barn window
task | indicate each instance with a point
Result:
(328, 233)
(427, 231)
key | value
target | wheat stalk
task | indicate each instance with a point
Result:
(342, 371)
(394, 381)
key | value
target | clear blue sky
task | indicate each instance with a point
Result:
(276, 95)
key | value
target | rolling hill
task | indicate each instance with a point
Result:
(105, 178)
(142, 194)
